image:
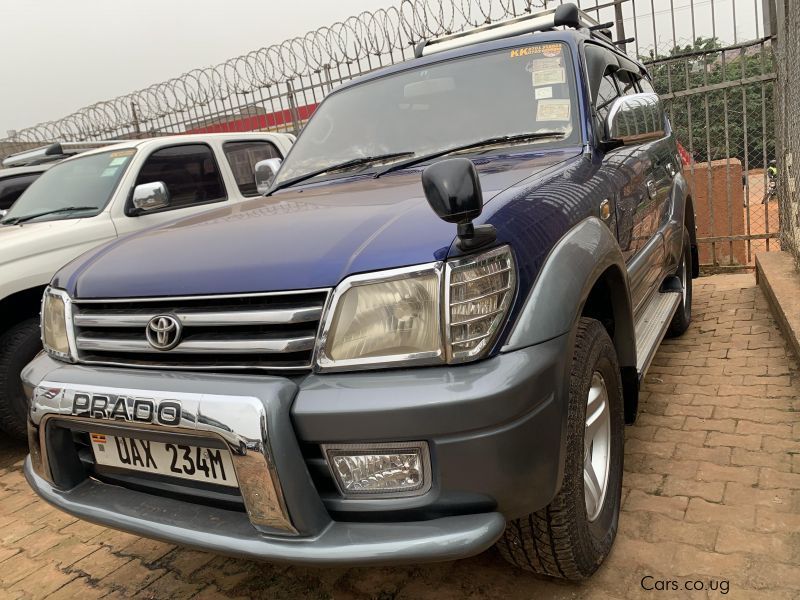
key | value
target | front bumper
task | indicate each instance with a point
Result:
(495, 430)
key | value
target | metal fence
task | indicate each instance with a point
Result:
(709, 60)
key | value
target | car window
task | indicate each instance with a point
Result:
(428, 108)
(189, 171)
(627, 83)
(76, 188)
(11, 188)
(606, 94)
(242, 157)
(646, 86)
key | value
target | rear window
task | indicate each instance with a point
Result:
(242, 157)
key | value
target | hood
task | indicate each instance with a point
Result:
(303, 238)
(27, 240)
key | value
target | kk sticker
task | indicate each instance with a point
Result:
(120, 160)
(125, 153)
(543, 49)
(552, 110)
(542, 93)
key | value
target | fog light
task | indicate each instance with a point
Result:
(380, 470)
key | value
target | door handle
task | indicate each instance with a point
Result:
(651, 189)
(670, 169)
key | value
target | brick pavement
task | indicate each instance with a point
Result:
(712, 493)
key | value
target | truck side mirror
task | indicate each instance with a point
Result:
(635, 119)
(453, 191)
(265, 172)
(150, 196)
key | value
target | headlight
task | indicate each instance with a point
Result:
(55, 332)
(479, 292)
(384, 318)
(429, 314)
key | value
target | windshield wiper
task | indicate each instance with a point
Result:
(492, 141)
(355, 162)
(25, 218)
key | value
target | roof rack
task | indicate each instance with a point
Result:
(568, 15)
(53, 152)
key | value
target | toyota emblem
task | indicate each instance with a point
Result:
(164, 332)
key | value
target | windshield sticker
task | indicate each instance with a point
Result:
(543, 92)
(552, 110)
(545, 49)
(121, 153)
(109, 172)
(120, 160)
(547, 71)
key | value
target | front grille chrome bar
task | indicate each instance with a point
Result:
(280, 316)
(298, 344)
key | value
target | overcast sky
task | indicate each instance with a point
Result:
(59, 55)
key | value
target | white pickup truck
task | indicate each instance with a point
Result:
(98, 196)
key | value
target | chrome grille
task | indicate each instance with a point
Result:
(274, 331)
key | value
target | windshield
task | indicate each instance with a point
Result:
(440, 106)
(76, 188)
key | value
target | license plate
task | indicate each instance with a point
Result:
(211, 465)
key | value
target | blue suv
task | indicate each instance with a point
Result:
(423, 340)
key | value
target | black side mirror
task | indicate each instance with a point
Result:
(453, 190)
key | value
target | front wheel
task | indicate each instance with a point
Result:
(18, 346)
(571, 536)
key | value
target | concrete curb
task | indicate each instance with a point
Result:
(779, 279)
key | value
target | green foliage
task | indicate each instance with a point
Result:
(735, 122)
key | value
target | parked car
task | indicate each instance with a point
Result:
(16, 180)
(23, 168)
(424, 341)
(99, 196)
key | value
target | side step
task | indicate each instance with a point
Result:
(651, 327)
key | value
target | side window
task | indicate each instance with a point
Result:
(646, 85)
(189, 171)
(606, 94)
(627, 83)
(11, 188)
(242, 157)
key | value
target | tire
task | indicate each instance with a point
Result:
(683, 315)
(561, 540)
(18, 346)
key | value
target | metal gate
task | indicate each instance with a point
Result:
(718, 88)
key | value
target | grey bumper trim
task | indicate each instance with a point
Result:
(228, 532)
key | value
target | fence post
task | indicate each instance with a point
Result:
(293, 108)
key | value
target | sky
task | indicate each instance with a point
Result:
(57, 56)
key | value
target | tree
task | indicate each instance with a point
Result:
(720, 101)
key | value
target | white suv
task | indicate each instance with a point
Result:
(98, 196)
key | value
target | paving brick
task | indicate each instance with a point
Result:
(80, 588)
(772, 429)
(146, 550)
(732, 440)
(770, 478)
(670, 506)
(691, 438)
(719, 455)
(16, 568)
(712, 491)
(100, 563)
(132, 577)
(660, 449)
(714, 472)
(702, 511)
(760, 458)
(723, 425)
(782, 500)
(650, 483)
(43, 582)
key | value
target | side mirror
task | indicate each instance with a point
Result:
(150, 196)
(453, 190)
(635, 119)
(265, 172)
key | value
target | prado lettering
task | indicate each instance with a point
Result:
(122, 408)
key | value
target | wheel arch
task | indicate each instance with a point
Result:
(584, 275)
(21, 305)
